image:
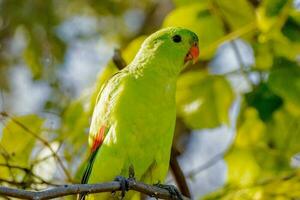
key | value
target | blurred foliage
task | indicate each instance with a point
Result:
(203, 101)
(267, 132)
(17, 144)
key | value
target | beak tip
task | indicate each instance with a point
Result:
(193, 54)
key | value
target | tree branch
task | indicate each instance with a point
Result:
(118, 59)
(73, 189)
(178, 174)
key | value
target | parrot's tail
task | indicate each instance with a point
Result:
(87, 173)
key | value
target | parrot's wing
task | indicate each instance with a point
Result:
(97, 137)
(97, 140)
(104, 85)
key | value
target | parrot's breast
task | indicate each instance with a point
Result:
(140, 117)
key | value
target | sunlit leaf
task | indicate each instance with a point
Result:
(269, 15)
(203, 101)
(284, 47)
(273, 7)
(284, 187)
(237, 14)
(263, 55)
(242, 167)
(200, 19)
(250, 129)
(17, 143)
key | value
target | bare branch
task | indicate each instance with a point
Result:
(73, 189)
(178, 174)
(118, 59)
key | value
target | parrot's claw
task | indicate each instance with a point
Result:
(124, 185)
(174, 192)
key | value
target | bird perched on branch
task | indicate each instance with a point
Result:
(134, 117)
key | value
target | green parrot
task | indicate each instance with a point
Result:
(134, 117)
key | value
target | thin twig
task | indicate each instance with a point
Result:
(73, 189)
(37, 161)
(42, 140)
(118, 59)
(206, 165)
(239, 58)
(26, 171)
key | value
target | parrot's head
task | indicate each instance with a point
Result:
(173, 47)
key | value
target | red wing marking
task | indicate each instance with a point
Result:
(98, 140)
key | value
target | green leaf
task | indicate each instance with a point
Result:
(237, 14)
(200, 19)
(285, 187)
(250, 130)
(179, 3)
(263, 55)
(284, 80)
(32, 57)
(284, 134)
(270, 13)
(291, 28)
(203, 100)
(264, 100)
(273, 7)
(242, 167)
(17, 143)
(75, 123)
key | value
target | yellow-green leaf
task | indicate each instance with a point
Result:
(17, 143)
(203, 100)
(284, 133)
(284, 80)
(242, 167)
(238, 13)
(250, 130)
(200, 19)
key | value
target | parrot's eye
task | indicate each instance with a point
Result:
(176, 38)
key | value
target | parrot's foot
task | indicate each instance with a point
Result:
(174, 192)
(124, 185)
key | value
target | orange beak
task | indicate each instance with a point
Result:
(193, 54)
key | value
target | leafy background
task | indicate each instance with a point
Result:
(238, 124)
